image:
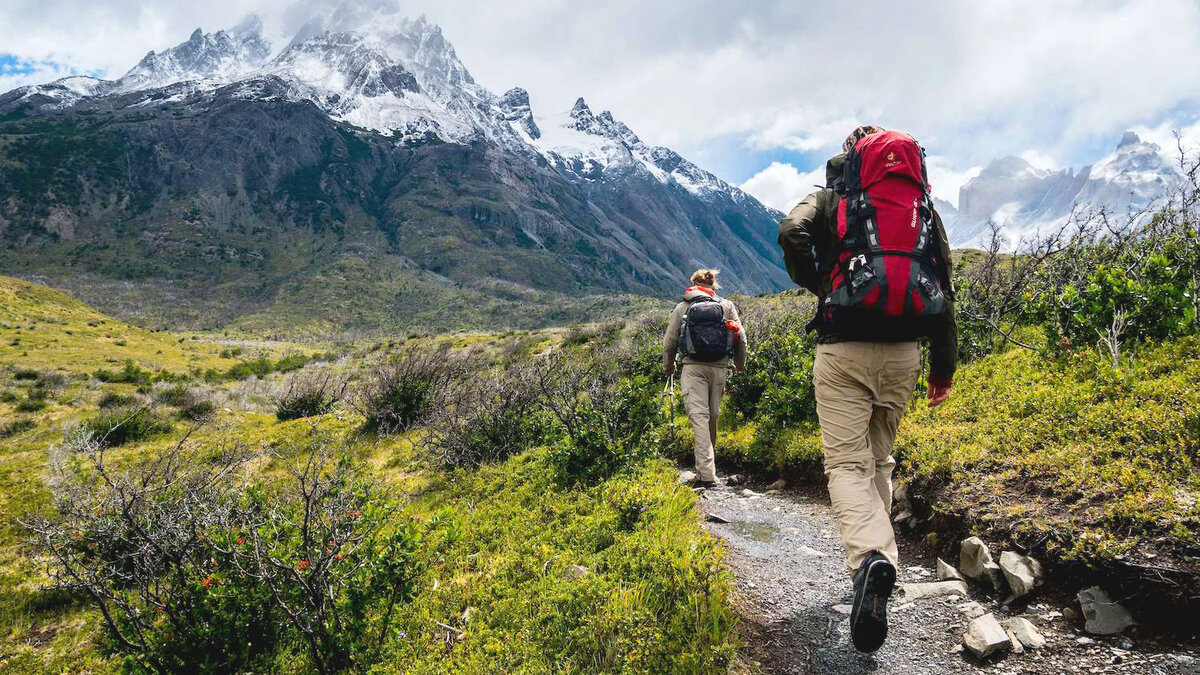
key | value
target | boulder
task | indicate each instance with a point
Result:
(749, 493)
(975, 561)
(1103, 615)
(735, 479)
(933, 589)
(1022, 573)
(1014, 644)
(687, 477)
(971, 609)
(714, 518)
(576, 572)
(1024, 630)
(777, 485)
(946, 571)
(986, 637)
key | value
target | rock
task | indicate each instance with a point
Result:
(1014, 642)
(1104, 615)
(1025, 632)
(749, 493)
(714, 518)
(735, 479)
(843, 609)
(917, 570)
(1069, 614)
(975, 561)
(810, 552)
(687, 477)
(971, 609)
(1085, 642)
(946, 571)
(467, 614)
(1125, 643)
(933, 589)
(576, 572)
(1022, 573)
(777, 485)
(985, 637)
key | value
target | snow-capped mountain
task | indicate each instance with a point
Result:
(217, 57)
(1023, 199)
(364, 124)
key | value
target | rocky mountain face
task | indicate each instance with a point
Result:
(1023, 199)
(357, 175)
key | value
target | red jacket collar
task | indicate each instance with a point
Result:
(708, 291)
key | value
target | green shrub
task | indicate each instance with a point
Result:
(119, 427)
(35, 400)
(398, 393)
(9, 396)
(487, 419)
(130, 374)
(16, 427)
(198, 411)
(309, 394)
(176, 395)
(112, 399)
(25, 374)
(602, 417)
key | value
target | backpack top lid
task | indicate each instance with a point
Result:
(889, 153)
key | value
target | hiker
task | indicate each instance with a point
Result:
(706, 330)
(873, 250)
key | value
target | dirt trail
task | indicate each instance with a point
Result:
(785, 553)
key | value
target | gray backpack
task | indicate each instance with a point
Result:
(704, 335)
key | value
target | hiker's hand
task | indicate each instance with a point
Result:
(938, 393)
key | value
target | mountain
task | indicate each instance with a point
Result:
(356, 177)
(1023, 199)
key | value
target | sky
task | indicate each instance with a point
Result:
(760, 92)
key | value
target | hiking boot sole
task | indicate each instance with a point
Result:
(868, 622)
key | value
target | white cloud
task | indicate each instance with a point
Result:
(944, 180)
(1040, 160)
(782, 186)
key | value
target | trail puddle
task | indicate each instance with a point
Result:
(760, 532)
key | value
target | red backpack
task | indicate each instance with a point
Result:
(888, 270)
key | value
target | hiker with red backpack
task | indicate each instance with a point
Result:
(873, 250)
(705, 329)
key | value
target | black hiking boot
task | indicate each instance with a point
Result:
(708, 483)
(873, 584)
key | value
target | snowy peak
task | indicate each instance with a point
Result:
(344, 64)
(514, 108)
(221, 56)
(1023, 199)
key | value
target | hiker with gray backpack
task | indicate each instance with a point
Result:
(706, 331)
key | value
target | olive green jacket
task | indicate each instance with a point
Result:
(808, 235)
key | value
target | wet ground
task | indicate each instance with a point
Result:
(793, 594)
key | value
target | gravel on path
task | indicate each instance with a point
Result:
(793, 594)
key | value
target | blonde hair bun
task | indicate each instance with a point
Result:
(706, 278)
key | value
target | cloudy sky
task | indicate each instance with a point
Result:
(762, 91)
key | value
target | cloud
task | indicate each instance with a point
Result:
(781, 186)
(945, 181)
(1039, 160)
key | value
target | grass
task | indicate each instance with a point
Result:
(1094, 461)
(499, 542)
(45, 329)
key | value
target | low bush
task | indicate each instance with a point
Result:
(112, 399)
(309, 394)
(35, 400)
(602, 417)
(398, 393)
(487, 419)
(130, 374)
(25, 374)
(193, 572)
(118, 427)
(16, 427)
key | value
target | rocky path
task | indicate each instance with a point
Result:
(793, 595)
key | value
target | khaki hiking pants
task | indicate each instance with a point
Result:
(703, 385)
(862, 389)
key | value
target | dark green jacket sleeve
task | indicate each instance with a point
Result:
(802, 235)
(943, 344)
